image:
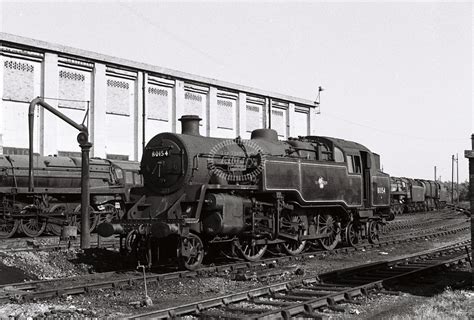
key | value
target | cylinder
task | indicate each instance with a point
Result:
(107, 229)
(162, 229)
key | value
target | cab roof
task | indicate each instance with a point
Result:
(346, 145)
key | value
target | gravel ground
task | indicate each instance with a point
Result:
(115, 304)
(44, 265)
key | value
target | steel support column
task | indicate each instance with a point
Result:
(85, 193)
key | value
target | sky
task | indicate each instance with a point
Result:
(397, 76)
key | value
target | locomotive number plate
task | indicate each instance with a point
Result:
(160, 153)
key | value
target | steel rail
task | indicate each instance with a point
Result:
(31, 290)
(34, 244)
(422, 231)
(303, 297)
(457, 208)
(409, 224)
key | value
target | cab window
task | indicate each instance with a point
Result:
(353, 164)
(338, 155)
(357, 166)
(350, 165)
(325, 153)
(118, 173)
(129, 177)
(137, 178)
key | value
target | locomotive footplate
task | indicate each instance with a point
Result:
(313, 237)
(156, 229)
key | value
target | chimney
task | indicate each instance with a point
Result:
(190, 125)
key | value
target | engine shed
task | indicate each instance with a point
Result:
(125, 102)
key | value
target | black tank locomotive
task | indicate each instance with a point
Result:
(242, 196)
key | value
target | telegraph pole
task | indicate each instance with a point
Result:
(452, 179)
(457, 177)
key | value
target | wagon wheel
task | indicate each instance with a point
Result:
(92, 218)
(327, 224)
(351, 235)
(8, 224)
(130, 242)
(32, 226)
(53, 227)
(191, 252)
(373, 232)
(294, 247)
(250, 250)
(109, 213)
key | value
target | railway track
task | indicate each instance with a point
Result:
(461, 209)
(304, 298)
(51, 243)
(419, 232)
(421, 220)
(112, 280)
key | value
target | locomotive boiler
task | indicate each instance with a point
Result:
(203, 195)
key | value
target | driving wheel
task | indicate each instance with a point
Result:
(294, 225)
(250, 250)
(191, 252)
(328, 225)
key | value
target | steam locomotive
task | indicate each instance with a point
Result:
(415, 195)
(56, 198)
(204, 194)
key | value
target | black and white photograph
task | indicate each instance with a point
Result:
(236, 159)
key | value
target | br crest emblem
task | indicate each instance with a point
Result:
(321, 182)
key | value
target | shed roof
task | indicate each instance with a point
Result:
(14, 40)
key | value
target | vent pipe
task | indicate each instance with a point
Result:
(190, 125)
